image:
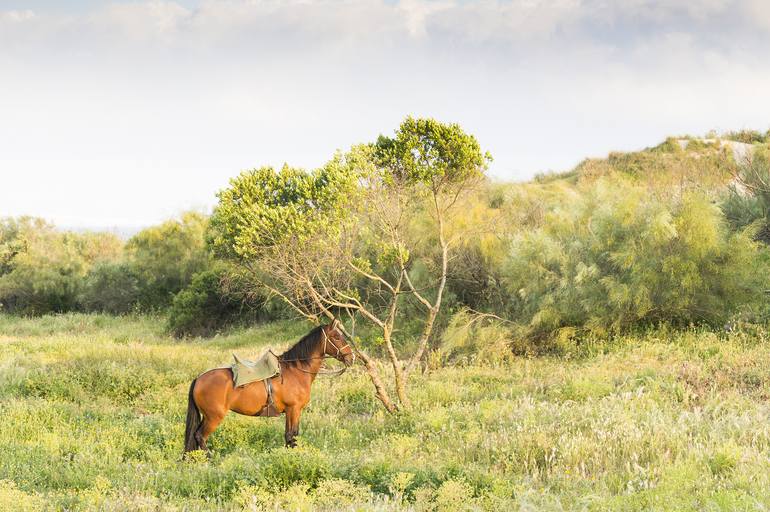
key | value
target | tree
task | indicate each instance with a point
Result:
(111, 287)
(42, 270)
(203, 308)
(166, 256)
(348, 236)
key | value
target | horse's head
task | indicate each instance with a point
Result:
(335, 344)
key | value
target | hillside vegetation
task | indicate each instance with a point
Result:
(670, 234)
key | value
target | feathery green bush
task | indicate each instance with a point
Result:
(620, 257)
(203, 308)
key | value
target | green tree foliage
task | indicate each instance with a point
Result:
(406, 231)
(204, 307)
(43, 270)
(283, 228)
(490, 217)
(436, 167)
(430, 153)
(343, 237)
(620, 257)
(46, 270)
(165, 257)
(475, 276)
(264, 208)
(12, 240)
(111, 287)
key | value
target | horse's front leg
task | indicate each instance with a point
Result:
(292, 425)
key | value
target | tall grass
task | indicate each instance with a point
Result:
(92, 410)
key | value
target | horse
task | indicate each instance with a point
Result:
(213, 393)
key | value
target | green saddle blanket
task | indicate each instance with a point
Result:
(245, 371)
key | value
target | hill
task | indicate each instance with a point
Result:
(706, 164)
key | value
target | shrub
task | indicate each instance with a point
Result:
(747, 136)
(42, 270)
(111, 288)
(203, 307)
(747, 203)
(619, 258)
(165, 258)
(333, 494)
(474, 336)
(303, 464)
(336, 493)
(724, 460)
(452, 495)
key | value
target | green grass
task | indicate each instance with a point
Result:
(92, 410)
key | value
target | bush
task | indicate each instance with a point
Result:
(165, 258)
(111, 288)
(203, 308)
(620, 258)
(42, 270)
(748, 199)
(477, 337)
(747, 136)
(303, 464)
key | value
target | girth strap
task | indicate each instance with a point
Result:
(269, 387)
(269, 408)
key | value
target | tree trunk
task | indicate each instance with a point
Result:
(432, 312)
(398, 372)
(423, 343)
(380, 392)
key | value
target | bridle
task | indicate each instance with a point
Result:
(324, 355)
(336, 347)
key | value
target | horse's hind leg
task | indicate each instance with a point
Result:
(211, 420)
(211, 396)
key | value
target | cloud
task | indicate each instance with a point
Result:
(513, 23)
(164, 20)
(16, 16)
(171, 99)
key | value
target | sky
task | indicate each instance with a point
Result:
(125, 113)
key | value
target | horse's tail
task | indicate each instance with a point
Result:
(193, 422)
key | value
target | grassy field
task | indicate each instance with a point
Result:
(92, 411)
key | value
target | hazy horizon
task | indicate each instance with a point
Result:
(125, 113)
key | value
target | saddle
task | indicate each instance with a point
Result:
(264, 368)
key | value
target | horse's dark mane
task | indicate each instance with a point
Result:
(303, 350)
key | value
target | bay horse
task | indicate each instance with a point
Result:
(213, 393)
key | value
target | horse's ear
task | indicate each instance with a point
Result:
(335, 323)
